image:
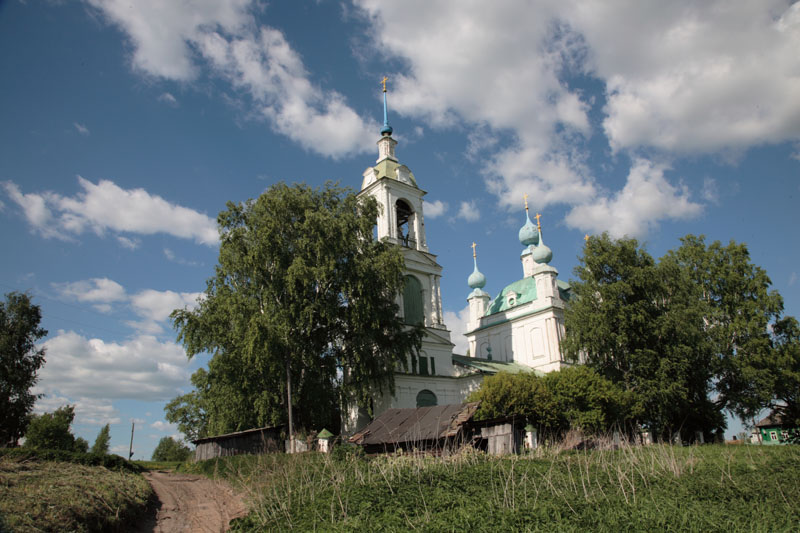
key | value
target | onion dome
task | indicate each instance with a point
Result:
(528, 234)
(476, 280)
(542, 254)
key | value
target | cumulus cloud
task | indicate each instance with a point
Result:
(152, 307)
(434, 209)
(161, 425)
(141, 368)
(101, 292)
(469, 211)
(457, 322)
(173, 40)
(155, 307)
(106, 207)
(680, 78)
(94, 411)
(646, 199)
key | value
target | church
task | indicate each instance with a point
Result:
(520, 330)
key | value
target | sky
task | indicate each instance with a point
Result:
(125, 127)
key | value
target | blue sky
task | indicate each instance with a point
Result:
(126, 126)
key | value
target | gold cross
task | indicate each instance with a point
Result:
(525, 197)
(473, 249)
(383, 82)
(538, 223)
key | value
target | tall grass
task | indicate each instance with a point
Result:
(633, 488)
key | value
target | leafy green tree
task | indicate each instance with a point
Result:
(681, 334)
(737, 308)
(189, 411)
(80, 445)
(586, 400)
(302, 295)
(51, 431)
(100, 446)
(20, 361)
(169, 449)
(524, 394)
(574, 397)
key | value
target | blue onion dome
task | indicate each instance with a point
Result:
(542, 254)
(476, 280)
(528, 234)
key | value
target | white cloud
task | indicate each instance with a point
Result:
(434, 209)
(681, 77)
(457, 322)
(152, 306)
(792, 278)
(130, 244)
(161, 425)
(105, 206)
(83, 130)
(141, 368)
(635, 210)
(173, 40)
(155, 307)
(695, 76)
(167, 98)
(469, 211)
(94, 411)
(98, 291)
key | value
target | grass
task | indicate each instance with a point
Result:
(663, 488)
(42, 495)
(170, 466)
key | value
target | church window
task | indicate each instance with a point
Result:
(405, 217)
(423, 366)
(413, 308)
(433, 366)
(426, 398)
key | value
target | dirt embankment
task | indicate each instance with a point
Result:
(191, 503)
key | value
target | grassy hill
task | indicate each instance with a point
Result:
(654, 488)
(46, 492)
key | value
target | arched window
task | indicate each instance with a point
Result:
(413, 308)
(404, 222)
(426, 398)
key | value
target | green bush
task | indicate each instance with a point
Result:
(169, 449)
(572, 398)
(113, 462)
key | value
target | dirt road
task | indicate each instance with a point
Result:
(191, 503)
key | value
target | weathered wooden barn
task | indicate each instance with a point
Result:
(435, 429)
(251, 441)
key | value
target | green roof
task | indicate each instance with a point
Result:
(524, 291)
(387, 168)
(488, 366)
(324, 434)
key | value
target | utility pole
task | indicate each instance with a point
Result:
(130, 450)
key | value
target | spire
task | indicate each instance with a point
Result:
(476, 280)
(527, 233)
(387, 129)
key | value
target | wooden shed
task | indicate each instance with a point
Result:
(435, 429)
(251, 441)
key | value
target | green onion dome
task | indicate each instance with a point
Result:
(528, 234)
(542, 254)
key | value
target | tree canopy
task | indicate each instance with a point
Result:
(301, 306)
(683, 334)
(20, 361)
(100, 446)
(169, 449)
(51, 431)
(571, 398)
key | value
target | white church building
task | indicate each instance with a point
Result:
(520, 330)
